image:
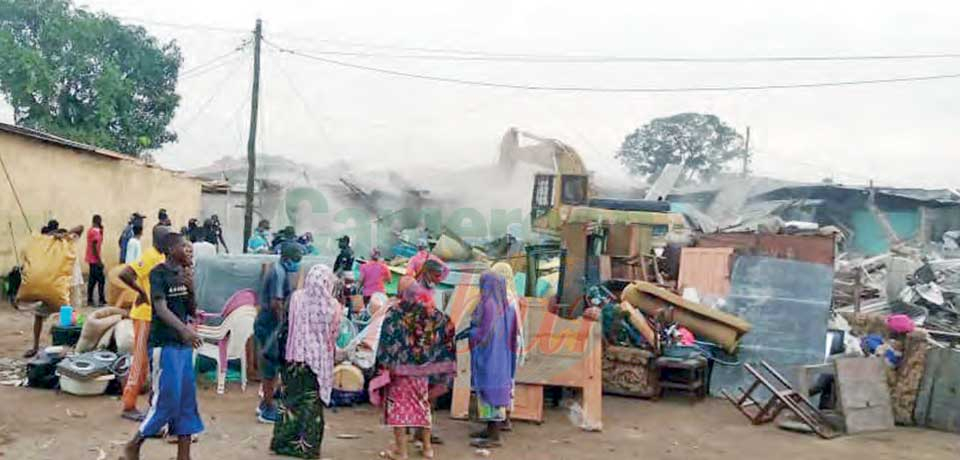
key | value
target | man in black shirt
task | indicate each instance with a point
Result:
(344, 262)
(213, 233)
(172, 342)
(163, 218)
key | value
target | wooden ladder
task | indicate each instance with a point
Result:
(783, 397)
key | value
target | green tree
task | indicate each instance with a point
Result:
(702, 143)
(86, 77)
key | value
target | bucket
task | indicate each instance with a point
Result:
(66, 315)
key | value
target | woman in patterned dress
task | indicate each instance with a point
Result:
(416, 343)
(307, 377)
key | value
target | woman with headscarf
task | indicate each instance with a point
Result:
(429, 274)
(506, 272)
(432, 272)
(307, 376)
(493, 357)
(416, 343)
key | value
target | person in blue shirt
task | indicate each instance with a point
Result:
(127, 233)
(268, 327)
(259, 242)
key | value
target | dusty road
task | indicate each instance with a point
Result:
(35, 424)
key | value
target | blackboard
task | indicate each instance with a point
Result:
(788, 304)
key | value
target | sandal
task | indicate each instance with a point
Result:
(30, 353)
(391, 455)
(133, 416)
(427, 454)
(485, 443)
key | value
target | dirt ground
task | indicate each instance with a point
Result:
(35, 424)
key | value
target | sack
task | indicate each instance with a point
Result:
(48, 270)
(118, 293)
(97, 324)
(452, 249)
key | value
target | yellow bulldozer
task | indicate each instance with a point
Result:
(598, 238)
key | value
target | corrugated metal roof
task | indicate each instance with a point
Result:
(62, 142)
(935, 196)
(80, 147)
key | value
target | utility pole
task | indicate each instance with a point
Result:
(746, 155)
(252, 139)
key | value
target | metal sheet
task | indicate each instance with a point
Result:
(938, 406)
(805, 248)
(787, 302)
(665, 182)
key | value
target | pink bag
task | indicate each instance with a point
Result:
(901, 324)
(686, 336)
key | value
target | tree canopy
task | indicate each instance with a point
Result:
(702, 143)
(86, 76)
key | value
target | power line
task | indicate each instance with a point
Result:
(211, 69)
(584, 89)
(172, 25)
(217, 91)
(306, 105)
(467, 55)
(453, 54)
(201, 68)
(480, 56)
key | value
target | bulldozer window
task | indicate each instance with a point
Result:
(542, 194)
(574, 190)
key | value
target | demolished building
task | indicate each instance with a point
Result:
(871, 219)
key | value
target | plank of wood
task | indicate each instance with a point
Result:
(606, 268)
(528, 403)
(462, 303)
(706, 269)
(574, 237)
(592, 395)
(864, 396)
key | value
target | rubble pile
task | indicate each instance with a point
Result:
(933, 294)
(12, 371)
(860, 281)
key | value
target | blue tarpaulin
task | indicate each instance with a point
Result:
(218, 277)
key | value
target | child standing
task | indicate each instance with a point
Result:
(171, 342)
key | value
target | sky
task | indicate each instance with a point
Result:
(902, 134)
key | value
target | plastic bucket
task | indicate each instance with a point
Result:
(66, 315)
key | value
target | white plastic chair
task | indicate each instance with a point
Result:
(228, 341)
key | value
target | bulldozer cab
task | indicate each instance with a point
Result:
(550, 192)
